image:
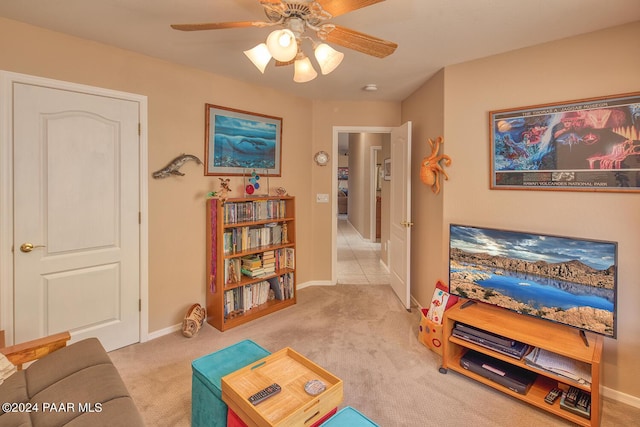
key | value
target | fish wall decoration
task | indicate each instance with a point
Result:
(173, 168)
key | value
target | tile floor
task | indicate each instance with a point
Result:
(358, 259)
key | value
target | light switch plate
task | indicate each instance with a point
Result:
(322, 198)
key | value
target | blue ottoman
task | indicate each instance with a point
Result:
(349, 417)
(207, 407)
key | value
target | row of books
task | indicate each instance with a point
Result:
(244, 298)
(246, 238)
(283, 286)
(258, 265)
(257, 210)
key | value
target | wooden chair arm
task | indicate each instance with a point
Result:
(33, 350)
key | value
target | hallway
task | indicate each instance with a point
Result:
(358, 259)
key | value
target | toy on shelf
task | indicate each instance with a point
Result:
(223, 194)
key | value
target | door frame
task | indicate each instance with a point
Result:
(334, 187)
(374, 153)
(7, 80)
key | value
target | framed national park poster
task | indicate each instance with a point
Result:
(589, 145)
(239, 141)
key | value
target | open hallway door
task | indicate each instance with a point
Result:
(400, 213)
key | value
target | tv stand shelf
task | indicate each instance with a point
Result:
(546, 335)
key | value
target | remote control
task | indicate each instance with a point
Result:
(583, 401)
(552, 395)
(572, 396)
(264, 394)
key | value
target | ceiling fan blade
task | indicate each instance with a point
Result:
(359, 41)
(220, 25)
(340, 7)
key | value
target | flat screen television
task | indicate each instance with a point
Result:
(567, 280)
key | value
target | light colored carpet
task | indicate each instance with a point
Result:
(360, 334)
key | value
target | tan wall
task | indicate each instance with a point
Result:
(176, 98)
(597, 64)
(326, 115)
(360, 179)
(425, 109)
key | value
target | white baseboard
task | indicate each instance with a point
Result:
(166, 331)
(621, 397)
(315, 283)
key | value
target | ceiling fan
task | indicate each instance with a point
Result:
(295, 17)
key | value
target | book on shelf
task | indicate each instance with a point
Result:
(290, 259)
(274, 283)
(244, 298)
(255, 210)
(254, 272)
(251, 261)
(282, 286)
(232, 271)
(268, 255)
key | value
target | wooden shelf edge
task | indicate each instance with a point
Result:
(519, 362)
(258, 250)
(258, 222)
(246, 280)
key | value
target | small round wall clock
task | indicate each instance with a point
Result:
(321, 158)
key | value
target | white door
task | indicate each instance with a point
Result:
(77, 201)
(400, 213)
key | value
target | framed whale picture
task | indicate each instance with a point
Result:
(238, 140)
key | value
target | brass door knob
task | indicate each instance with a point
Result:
(406, 224)
(28, 247)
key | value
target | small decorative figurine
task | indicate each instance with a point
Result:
(280, 191)
(173, 167)
(224, 189)
(193, 320)
(233, 277)
(431, 169)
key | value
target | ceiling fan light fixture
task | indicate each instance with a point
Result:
(304, 71)
(260, 56)
(282, 45)
(328, 58)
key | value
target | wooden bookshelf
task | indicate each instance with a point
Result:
(556, 338)
(242, 228)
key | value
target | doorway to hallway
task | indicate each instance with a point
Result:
(358, 259)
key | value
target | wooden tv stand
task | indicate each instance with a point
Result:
(540, 333)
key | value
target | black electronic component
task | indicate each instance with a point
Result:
(265, 393)
(552, 395)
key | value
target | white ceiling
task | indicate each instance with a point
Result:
(431, 34)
